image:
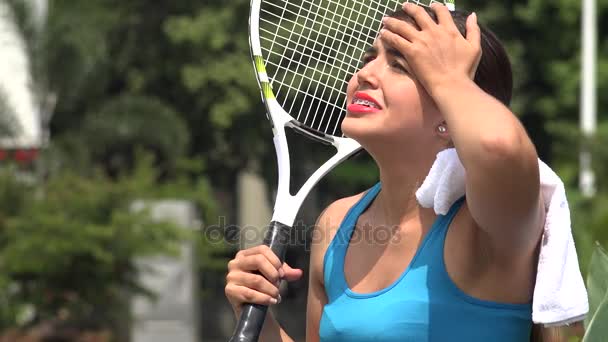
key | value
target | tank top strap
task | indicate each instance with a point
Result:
(431, 250)
(444, 221)
(333, 261)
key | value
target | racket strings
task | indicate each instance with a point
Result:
(312, 47)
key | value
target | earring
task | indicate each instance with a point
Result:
(442, 129)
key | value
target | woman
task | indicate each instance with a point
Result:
(433, 80)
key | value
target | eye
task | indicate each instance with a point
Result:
(366, 59)
(395, 64)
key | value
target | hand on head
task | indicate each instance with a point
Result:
(436, 52)
(254, 276)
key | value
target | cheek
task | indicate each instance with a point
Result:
(351, 88)
(412, 106)
(430, 112)
(405, 104)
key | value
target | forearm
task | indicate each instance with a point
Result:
(484, 131)
(502, 178)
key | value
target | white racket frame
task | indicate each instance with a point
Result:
(286, 205)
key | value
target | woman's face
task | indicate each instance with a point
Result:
(386, 105)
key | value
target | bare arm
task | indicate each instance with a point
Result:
(316, 291)
(503, 188)
(502, 181)
(326, 227)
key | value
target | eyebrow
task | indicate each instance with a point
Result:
(370, 50)
(394, 52)
(389, 50)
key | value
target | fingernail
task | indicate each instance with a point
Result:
(273, 301)
(474, 15)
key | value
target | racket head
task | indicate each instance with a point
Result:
(304, 53)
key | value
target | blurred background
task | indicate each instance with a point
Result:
(134, 154)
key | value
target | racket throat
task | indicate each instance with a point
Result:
(311, 133)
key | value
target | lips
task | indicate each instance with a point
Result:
(363, 103)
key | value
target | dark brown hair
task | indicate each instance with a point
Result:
(494, 71)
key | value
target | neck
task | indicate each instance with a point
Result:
(400, 179)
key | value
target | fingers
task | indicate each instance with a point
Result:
(444, 16)
(473, 31)
(254, 276)
(291, 274)
(396, 41)
(254, 263)
(474, 38)
(254, 282)
(242, 294)
(419, 14)
(264, 250)
(399, 27)
(259, 258)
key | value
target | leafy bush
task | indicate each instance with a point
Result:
(597, 286)
(68, 246)
(123, 124)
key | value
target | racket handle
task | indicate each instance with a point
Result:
(252, 315)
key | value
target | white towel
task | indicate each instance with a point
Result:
(560, 296)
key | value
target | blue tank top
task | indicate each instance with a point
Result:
(422, 305)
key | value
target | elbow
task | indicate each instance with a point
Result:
(500, 147)
(512, 150)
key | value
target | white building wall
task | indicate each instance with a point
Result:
(17, 86)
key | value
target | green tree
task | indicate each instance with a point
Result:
(71, 252)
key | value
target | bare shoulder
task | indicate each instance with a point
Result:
(325, 229)
(478, 264)
(331, 217)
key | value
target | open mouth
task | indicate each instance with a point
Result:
(364, 99)
(365, 103)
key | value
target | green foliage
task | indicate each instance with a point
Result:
(210, 252)
(77, 32)
(598, 329)
(231, 128)
(597, 281)
(163, 69)
(123, 124)
(70, 244)
(597, 286)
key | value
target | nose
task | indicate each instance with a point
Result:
(369, 74)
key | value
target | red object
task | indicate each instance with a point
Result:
(25, 156)
(357, 108)
(364, 96)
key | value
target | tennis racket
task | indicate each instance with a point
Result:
(304, 52)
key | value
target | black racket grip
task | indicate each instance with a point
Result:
(252, 315)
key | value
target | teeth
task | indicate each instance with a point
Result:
(365, 103)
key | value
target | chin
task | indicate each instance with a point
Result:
(359, 129)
